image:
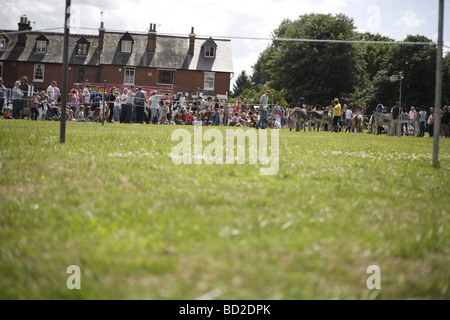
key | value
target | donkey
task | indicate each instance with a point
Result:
(379, 119)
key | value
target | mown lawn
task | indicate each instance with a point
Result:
(111, 201)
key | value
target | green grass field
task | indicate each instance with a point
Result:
(111, 201)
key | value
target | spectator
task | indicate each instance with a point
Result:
(110, 98)
(396, 116)
(348, 119)
(124, 106)
(445, 120)
(139, 101)
(154, 105)
(276, 114)
(422, 117)
(216, 118)
(244, 106)
(190, 118)
(235, 120)
(336, 115)
(86, 97)
(130, 100)
(80, 115)
(209, 108)
(8, 113)
(177, 119)
(264, 102)
(117, 101)
(34, 106)
(2, 95)
(430, 123)
(97, 98)
(226, 113)
(412, 119)
(54, 93)
(25, 87)
(17, 95)
(44, 106)
(74, 97)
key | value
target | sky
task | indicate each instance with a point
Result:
(230, 18)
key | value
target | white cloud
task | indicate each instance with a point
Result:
(409, 20)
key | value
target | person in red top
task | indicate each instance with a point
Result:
(34, 106)
(190, 118)
(183, 115)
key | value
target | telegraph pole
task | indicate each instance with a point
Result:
(438, 97)
(65, 71)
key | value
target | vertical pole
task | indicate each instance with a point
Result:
(438, 97)
(65, 71)
(400, 112)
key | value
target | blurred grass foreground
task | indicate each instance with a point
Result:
(112, 202)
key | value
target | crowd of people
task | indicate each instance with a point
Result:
(134, 105)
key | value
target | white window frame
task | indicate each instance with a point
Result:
(42, 67)
(128, 76)
(126, 46)
(210, 78)
(3, 44)
(83, 47)
(210, 52)
(41, 46)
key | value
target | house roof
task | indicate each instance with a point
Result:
(172, 52)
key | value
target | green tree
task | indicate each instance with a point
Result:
(418, 63)
(446, 81)
(242, 82)
(317, 71)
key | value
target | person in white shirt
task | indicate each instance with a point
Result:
(124, 106)
(348, 118)
(130, 105)
(86, 96)
(53, 92)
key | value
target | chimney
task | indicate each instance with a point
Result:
(101, 36)
(151, 45)
(192, 41)
(24, 25)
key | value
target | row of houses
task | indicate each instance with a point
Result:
(188, 64)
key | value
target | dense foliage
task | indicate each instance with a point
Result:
(358, 74)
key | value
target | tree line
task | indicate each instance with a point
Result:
(357, 74)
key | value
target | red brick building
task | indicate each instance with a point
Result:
(184, 64)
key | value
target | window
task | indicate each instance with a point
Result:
(2, 44)
(41, 46)
(126, 46)
(38, 73)
(81, 74)
(209, 52)
(82, 49)
(129, 76)
(166, 77)
(1, 69)
(209, 80)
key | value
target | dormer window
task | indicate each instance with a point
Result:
(41, 47)
(210, 52)
(82, 47)
(126, 43)
(126, 46)
(209, 48)
(2, 44)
